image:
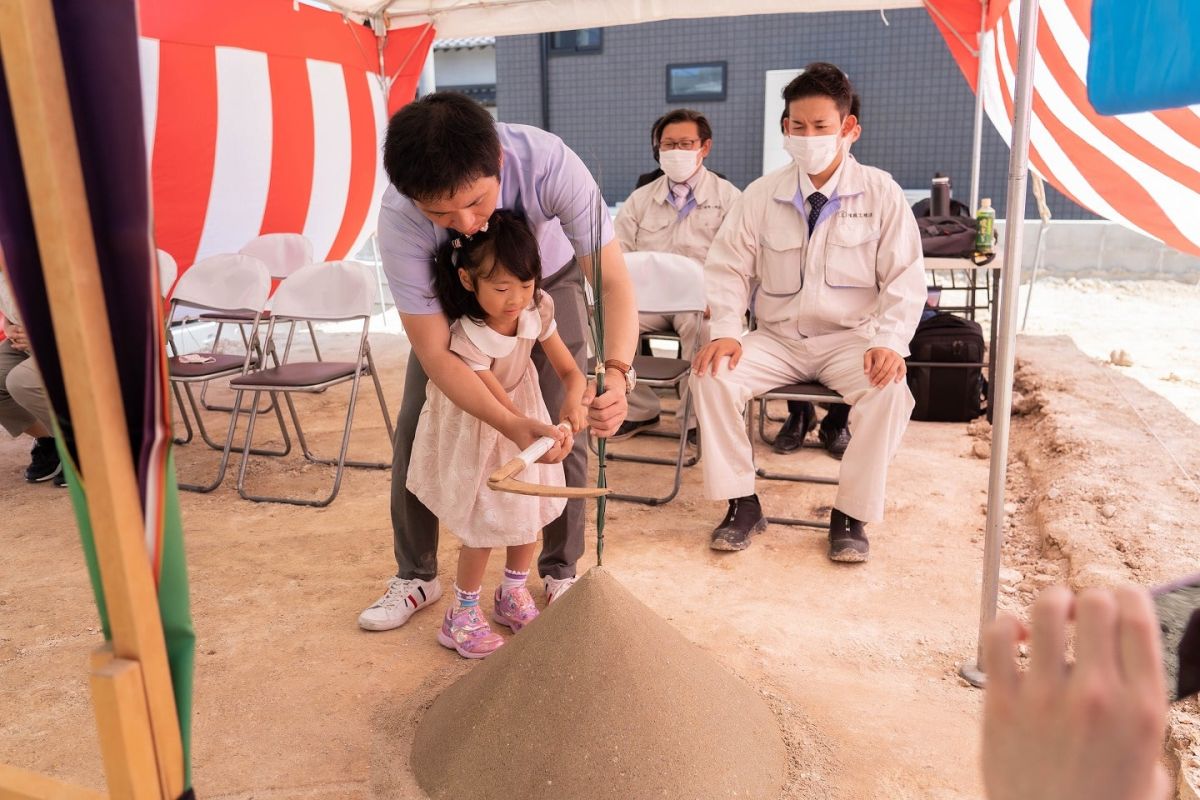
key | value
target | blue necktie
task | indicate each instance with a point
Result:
(816, 201)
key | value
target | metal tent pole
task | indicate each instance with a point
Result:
(977, 136)
(1014, 229)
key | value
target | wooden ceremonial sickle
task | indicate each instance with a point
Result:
(504, 479)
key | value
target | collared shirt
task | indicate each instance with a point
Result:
(648, 221)
(829, 189)
(861, 271)
(507, 357)
(540, 177)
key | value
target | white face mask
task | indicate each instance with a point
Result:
(679, 165)
(812, 153)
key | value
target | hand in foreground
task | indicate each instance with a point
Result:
(524, 431)
(1091, 731)
(883, 365)
(576, 414)
(714, 352)
(606, 412)
(16, 334)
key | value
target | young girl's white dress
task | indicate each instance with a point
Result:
(454, 452)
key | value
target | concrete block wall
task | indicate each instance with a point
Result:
(917, 107)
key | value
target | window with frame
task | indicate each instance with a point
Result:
(583, 40)
(692, 82)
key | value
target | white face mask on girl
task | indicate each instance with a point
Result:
(812, 153)
(679, 165)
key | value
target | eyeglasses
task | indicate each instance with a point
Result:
(679, 144)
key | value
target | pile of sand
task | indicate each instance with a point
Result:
(600, 698)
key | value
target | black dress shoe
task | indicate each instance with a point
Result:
(743, 520)
(630, 428)
(835, 440)
(847, 538)
(797, 426)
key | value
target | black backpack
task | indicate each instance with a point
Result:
(948, 237)
(947, 394)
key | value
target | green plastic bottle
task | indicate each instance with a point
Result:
(985, 227)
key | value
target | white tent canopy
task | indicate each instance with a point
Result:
(454, 18)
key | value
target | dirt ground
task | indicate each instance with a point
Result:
(293, 700)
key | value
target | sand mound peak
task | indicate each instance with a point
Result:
(600, 698)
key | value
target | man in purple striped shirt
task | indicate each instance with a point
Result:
(450, 166)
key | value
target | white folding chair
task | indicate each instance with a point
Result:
(664, 283)
(224, 284)
(283, 253)
(168, 271)
(331, 292)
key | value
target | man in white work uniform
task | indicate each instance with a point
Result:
(835, 250)
(678, 212)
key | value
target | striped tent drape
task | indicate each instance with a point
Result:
(1140, 170)
(261, 118)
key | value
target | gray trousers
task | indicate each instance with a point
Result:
(415, 528)
(23, 398)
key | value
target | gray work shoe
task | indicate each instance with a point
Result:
(847, 538)
(743, 520)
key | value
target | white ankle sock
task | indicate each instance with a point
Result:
(513, 579)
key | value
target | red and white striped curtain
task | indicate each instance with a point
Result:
(1140, 170)
(261, 118)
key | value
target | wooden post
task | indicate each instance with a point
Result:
(19, 784)
(126, 743)
(54, 180)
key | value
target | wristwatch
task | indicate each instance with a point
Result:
(626, 370)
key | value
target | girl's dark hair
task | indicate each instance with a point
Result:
(821, 79)
(510, 244)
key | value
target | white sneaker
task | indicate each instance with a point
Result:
(555, 587)
(399, 602)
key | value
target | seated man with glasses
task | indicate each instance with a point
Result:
(680, 213)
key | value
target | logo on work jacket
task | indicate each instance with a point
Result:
(856, 214)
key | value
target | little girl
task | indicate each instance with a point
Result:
(490, 285)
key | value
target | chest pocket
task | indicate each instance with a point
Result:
(781, 262)
(652, 228)
(850, 255)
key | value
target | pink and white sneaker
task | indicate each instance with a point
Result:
(514, 607)
(467, 632)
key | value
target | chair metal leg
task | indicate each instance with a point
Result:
(315, 459)
(387, 419)
(340, 462)
(312, 334)
(205, 488)
(287, 441)
(781, 476)
(216, 348)
(679, 462)
(187, 423)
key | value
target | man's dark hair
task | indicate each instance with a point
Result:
(439, 144)
(855, 108)
(821, 79)
(679, 115)
(512, 247)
